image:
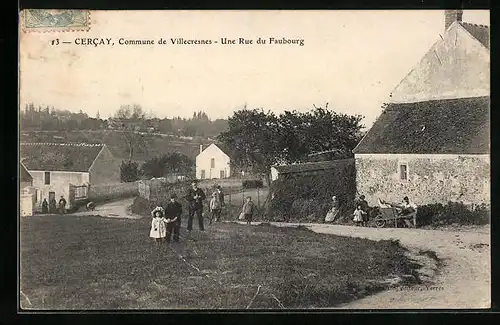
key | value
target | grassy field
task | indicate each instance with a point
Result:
(70, 262)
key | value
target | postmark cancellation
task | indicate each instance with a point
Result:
(54, 20)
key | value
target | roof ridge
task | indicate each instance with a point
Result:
(479, 25)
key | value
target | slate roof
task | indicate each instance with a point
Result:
(454, 126)
(24, 175)
(73, 157)
(310, 166)
(480, 32)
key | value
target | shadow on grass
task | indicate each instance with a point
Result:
(98, 263)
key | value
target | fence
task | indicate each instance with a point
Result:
(113, 191)
(234, 196)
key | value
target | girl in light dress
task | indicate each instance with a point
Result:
(358, 215)
(158, 225)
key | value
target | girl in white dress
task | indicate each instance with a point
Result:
(158, 225)
(358, 215)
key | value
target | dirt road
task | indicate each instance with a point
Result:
(463, 281)
(116, 209)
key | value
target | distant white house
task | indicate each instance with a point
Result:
(212, 163)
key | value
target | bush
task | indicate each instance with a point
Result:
(253, 183)
(452, 213)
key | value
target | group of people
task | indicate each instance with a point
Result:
(406, 209)
(53, 207)
(361, 214)
(167, 220)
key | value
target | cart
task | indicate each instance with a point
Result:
(389, 215)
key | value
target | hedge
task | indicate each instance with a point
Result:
(452, 213)
(308, 197)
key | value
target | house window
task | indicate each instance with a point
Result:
(47, 178)
(212, 163)
(403, 171)
(202, 174)
(222, 174)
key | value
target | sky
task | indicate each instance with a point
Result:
(351, 60)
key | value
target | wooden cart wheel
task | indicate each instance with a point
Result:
(379, 221)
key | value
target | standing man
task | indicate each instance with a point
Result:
(173, 212)
(62, 205)
(195, 197)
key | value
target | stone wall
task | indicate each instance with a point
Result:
(431, 178)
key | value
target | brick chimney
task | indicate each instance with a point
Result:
(201, 148)
(450, 16)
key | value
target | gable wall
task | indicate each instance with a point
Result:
(456, 67)
(203, 162)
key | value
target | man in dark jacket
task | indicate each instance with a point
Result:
(195, 197)
(173, 212)
(62, 205)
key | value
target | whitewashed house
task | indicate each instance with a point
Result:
(212, 163)
(68, 169)
(26, 192)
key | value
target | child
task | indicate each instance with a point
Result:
(158, 225)
(358, 215)
(215, 207)
(248, 210)
(173, 211)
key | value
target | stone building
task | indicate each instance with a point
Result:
(431, 142)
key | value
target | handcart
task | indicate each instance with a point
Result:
(390, 215)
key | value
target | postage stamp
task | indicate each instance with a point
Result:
(52, 20)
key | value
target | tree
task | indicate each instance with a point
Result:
(132, 117)
(252, 140)
(259, 140)
(129, 171)
(168, 164)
